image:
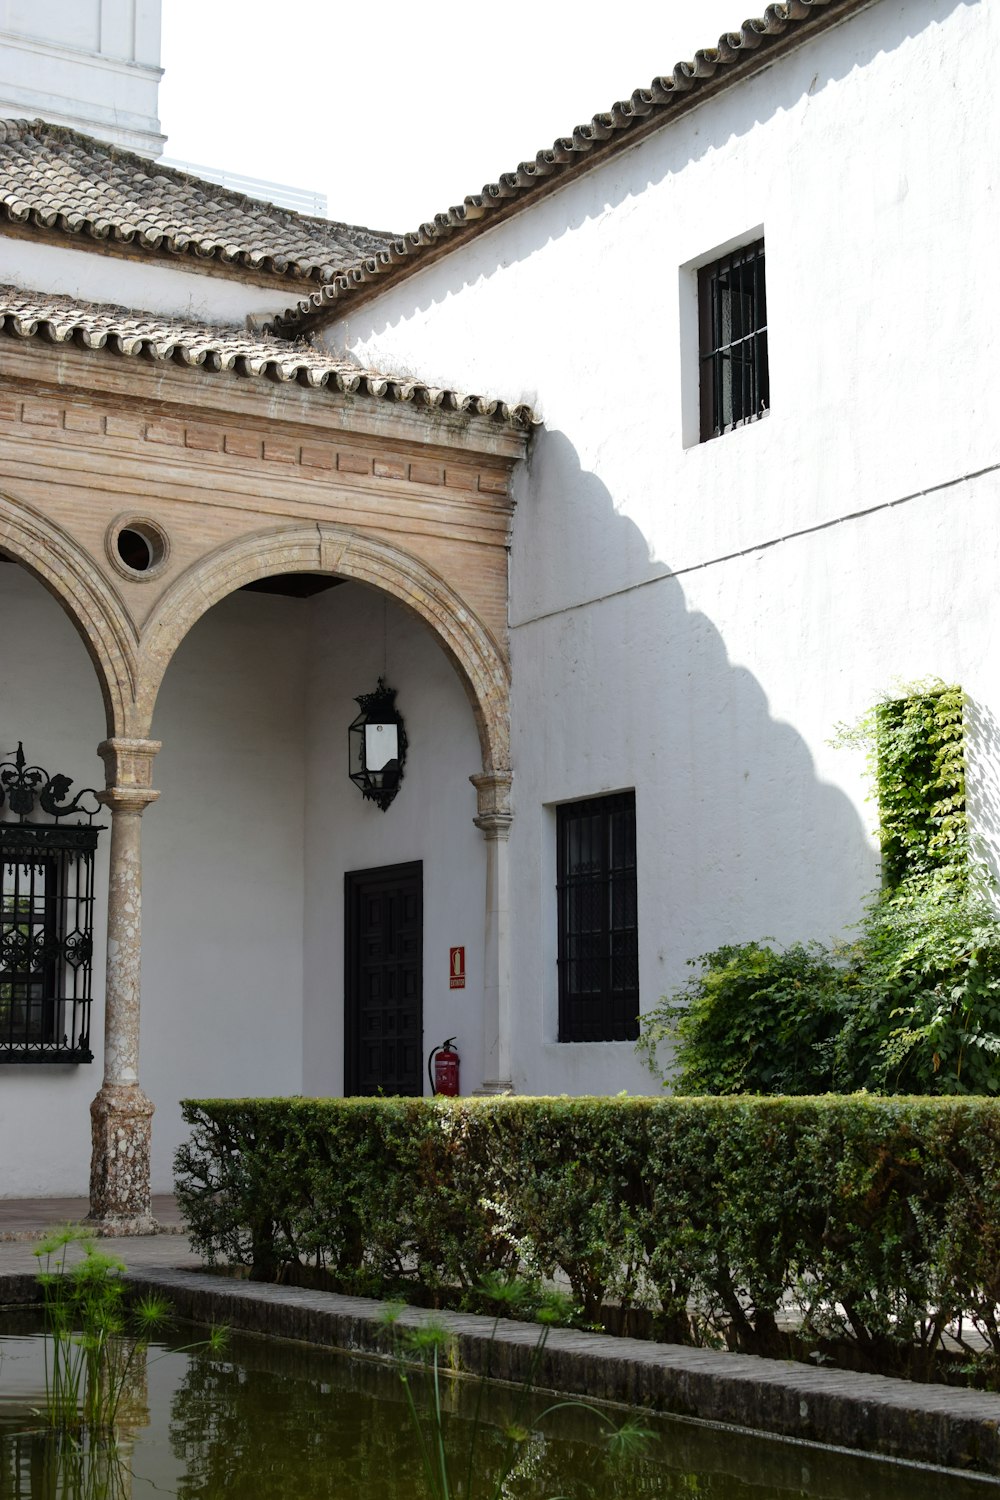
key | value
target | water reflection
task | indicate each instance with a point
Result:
(270, 1420)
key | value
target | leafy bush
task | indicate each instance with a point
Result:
(927, 986)
(911, 1006)
(875, 1221)
(754, 1020)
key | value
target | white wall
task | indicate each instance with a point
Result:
(694, 619)
(171, 291)
(91, 64)
(223, 876)
(50, 699)
(354, 638)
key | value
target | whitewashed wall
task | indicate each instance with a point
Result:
(223, 878)
(355, 636)
(171, 291)
(694, 620)
(91, 64)
(50, 699)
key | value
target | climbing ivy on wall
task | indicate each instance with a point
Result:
(919, 765)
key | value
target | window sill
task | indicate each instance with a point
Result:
(33, 1055)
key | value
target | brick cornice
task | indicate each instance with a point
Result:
(200, 396)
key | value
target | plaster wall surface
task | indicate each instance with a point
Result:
(89, 64)
(50, 700)
(693, 620)
(223, 870)
(356, 636)
(171, 291)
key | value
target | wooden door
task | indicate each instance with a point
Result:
(383, 1022)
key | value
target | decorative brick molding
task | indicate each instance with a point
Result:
(223, 441)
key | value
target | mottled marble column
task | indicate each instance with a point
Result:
(121, 1115)
(495, 818)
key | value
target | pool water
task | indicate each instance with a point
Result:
(269, 1420)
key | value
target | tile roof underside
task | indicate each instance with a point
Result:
(737, 53)
(60, 320)
(54, 178)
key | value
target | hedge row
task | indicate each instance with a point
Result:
(875, 1221)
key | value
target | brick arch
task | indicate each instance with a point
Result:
(93, 605)
(472, 649)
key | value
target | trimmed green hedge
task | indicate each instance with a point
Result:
(876, 1221)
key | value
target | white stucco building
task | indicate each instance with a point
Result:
(745, 466)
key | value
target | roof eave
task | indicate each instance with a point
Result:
(738, 56)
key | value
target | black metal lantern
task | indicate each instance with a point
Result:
(377, 746)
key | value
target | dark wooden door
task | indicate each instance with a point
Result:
(383, 1020)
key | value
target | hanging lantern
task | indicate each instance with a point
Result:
(377, 746)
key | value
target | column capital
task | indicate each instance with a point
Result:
(494, 816)
(128, 769)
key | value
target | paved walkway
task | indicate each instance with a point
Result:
(24, 1221)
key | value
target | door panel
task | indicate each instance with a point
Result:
(383, 1020)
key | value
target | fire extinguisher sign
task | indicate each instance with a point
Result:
(457, 969)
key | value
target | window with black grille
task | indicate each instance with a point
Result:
(598, 935)
(732, 314)
(46, 916)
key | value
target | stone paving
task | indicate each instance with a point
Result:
(946, 1426)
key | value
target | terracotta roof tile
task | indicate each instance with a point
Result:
(61, 320)
(55, 178)
(735, 54)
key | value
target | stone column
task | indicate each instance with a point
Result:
(121, 1114)
(495, 818)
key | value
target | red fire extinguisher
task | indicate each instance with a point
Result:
(442, 1070)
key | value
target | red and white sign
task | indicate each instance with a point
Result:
(457, 969)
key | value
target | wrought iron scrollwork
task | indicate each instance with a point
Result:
(24, 789)
(48, 840)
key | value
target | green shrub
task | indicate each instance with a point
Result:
(912, 1005)
(875, 1220)
(927, 977)
(754, 1020)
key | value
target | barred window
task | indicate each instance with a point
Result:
(46, 915)
(732, 315)
(598, 935)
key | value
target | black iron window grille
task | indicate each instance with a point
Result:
(46, 915)
(732, 313)
(598, 933)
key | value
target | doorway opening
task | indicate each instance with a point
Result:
(383, 981)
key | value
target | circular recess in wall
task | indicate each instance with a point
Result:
(137, 547)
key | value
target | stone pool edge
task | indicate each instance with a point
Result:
(946, 1427)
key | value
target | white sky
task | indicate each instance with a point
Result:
(396, 110)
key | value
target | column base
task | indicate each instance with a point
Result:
(120, 1202)
(493, 1088)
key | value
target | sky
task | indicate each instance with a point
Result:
(397, 110)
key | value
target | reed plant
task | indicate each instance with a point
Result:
(447, 1471)
(93, 1337)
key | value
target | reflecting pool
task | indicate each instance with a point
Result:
(269, 1420)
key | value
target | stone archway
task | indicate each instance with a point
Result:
(322, 548)
(93, 605)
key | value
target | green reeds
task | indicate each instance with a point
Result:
(446, 1472)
